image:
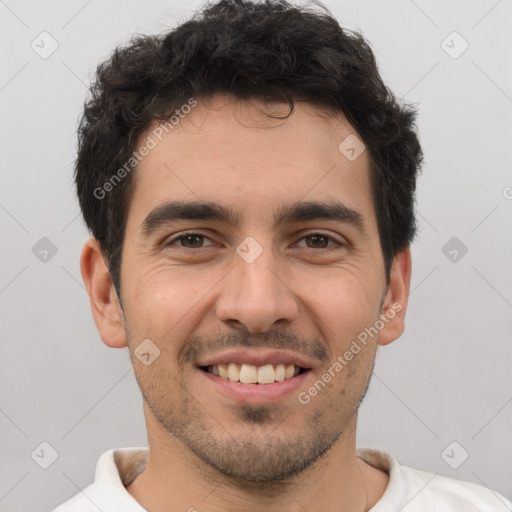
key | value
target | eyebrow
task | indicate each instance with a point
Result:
(287, 214)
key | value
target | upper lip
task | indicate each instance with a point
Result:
(256, 357)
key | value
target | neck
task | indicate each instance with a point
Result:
(174, 478)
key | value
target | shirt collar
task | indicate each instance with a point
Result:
(118, 468)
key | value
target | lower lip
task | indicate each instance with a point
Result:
(256, 393)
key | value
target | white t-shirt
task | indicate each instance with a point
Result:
(409, 490)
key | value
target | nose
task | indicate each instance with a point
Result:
(256, 295)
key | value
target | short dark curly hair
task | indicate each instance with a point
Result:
(268, 50)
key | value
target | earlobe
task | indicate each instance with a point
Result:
(103, 298)
(395, 302)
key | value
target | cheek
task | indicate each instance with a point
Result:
(166, 302)
(161, 291)
(343, 303)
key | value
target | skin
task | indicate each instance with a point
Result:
(207, 451)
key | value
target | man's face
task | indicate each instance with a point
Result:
(252, 289)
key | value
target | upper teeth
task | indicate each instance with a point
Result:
(251, 374)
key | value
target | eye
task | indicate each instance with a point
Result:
(195, 240)
(189, 240)
(320, 241)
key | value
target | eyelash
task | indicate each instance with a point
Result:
(315, 233)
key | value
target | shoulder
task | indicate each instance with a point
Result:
(452, 494)
(413, 490)
(114, 469)
(84, 501)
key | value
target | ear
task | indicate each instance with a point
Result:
(105, 306)
(395, 302)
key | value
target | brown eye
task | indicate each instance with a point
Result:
(190, 241)
(318, 241)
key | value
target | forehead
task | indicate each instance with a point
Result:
(234, 154)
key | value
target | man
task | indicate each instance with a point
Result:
(249, 183)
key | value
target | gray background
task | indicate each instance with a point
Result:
(447, 379)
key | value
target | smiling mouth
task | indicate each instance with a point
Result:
(252, 374)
